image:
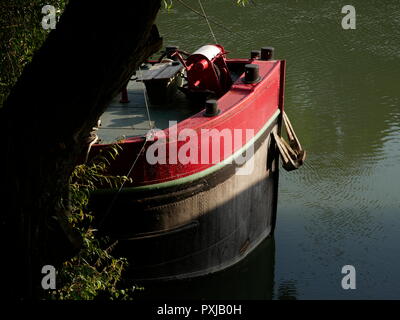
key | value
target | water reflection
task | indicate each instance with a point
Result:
(287, 290)
(252, 278)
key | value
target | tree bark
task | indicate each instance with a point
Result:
(48, 117)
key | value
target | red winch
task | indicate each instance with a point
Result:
(206, 70)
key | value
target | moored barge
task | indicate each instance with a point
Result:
(204, 184)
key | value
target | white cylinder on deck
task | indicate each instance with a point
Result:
(209, 51)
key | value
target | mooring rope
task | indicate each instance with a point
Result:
(145, 99)
(211, 20)
(208, 23)
(148, 137)
(123, 183)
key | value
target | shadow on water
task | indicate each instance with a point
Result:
(252, 278)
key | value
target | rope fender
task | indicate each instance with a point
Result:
(292, 154)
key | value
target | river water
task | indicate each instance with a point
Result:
(343, 97)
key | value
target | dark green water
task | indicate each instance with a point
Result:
(343, 97)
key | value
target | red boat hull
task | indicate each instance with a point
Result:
(182, 220)
(244, 107)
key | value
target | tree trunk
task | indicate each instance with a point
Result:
(48, 117)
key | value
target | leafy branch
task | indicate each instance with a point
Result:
(93, 272)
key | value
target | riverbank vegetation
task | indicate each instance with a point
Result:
(92, 271)
(21, 34)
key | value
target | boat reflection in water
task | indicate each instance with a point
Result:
(252, 279)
